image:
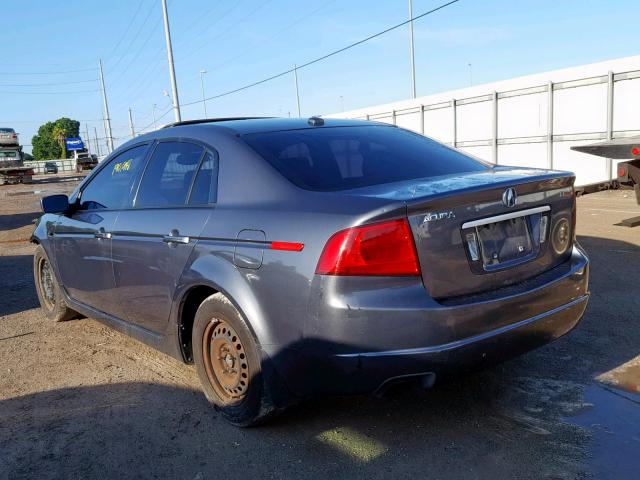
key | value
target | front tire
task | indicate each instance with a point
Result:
(48, 290)
(228, 363)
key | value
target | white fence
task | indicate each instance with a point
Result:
(531, 121)
(66, 165)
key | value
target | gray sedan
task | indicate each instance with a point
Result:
(8, 136)
(288, 258)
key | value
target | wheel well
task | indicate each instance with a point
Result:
(190, 304)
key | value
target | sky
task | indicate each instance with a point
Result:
(51, 51)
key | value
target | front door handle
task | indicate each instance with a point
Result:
(101, 234)
(175, 237)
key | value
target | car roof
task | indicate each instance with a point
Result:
(246, 125)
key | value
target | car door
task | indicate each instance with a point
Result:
(152, 241)
(82, 238)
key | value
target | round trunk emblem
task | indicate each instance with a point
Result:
(509, 197)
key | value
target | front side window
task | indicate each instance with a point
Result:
(111, 187)
(169, 174)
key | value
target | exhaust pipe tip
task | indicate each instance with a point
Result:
(425, 380)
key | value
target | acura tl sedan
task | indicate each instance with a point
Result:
(288, 258)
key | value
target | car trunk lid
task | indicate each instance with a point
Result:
(489, 230)
(481, 231)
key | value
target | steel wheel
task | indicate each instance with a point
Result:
(225, 362)
(47, 286)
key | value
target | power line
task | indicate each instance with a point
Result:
(41, 122)
(144, 22)
(49, 73)
(324, 57)
(277, 34)
(145, 77)
(213, 24)
(46, 84)
(126, 31)
(143, 129)
(224, 32)
(200, 18)
(144, 44)
(74, 92)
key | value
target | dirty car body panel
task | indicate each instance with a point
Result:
(496, 275)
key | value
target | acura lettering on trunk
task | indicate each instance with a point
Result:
(287, 258)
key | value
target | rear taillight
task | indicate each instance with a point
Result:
(379, 249)
(15, 136)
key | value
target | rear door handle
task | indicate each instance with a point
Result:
(102, 235)
(175, 237)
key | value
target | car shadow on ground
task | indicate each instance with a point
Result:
(17, 291)
(505, 422)
(160, 431)
(18, 220)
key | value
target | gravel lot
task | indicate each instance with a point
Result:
(78, 400)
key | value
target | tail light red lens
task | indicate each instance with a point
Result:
(379, 249)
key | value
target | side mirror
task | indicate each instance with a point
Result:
(55, 203)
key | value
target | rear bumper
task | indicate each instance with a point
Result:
(352, 347)
(373, 370)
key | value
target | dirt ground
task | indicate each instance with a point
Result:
(78, 400)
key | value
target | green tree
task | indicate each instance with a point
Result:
(48, 143)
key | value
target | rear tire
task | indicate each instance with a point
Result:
(228, 363)
(48, 290)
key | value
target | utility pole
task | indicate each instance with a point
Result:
(153, 113)
(413, 58)
(107, 120)
(172, 72)
(133, 132)
(88, 139)
(204, 101)
(95, 133)
(105, 136)
(470, 74)
(295, 77)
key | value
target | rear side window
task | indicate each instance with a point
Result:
(340, 158)
(204, 189)
(111, 187)
(168, 177)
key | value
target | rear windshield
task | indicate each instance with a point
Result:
(340, 158)
(6, 130)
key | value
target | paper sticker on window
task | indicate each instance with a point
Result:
(122, 167)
